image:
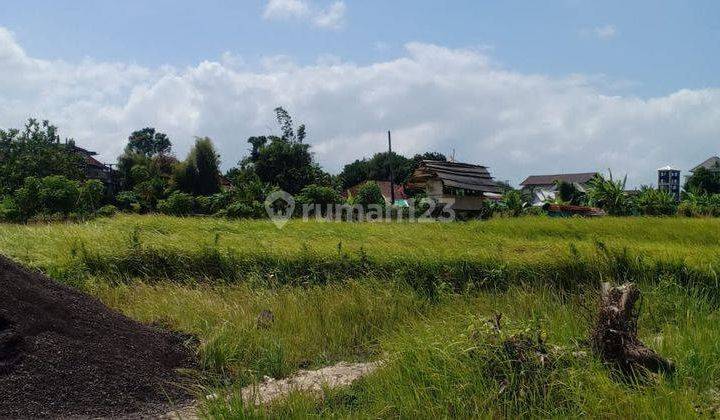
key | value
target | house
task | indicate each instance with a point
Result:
(94, 169)
(461, 185)
(711, 164)
(543, 187)
(401, 196)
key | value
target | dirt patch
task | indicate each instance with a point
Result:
(310, 381)
(63, 353)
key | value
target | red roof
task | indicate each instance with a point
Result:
(384, 189)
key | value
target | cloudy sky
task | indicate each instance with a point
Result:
(523, 87)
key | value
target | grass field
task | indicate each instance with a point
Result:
(415, 295)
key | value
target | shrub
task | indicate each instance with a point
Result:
(652, 202)
(242, 210)
(90, 195)
(125, 200)
(369, 194)
(609, 195)
(203, 205)
(9, 210)
(178, 204)
(58, 194)
(27, 198)
(107, 211)
(513, 203)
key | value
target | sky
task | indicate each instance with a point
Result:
(523, 87)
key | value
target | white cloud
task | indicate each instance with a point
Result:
(286, 9)
(433, 98)
(605, 32)
(333, 17)
(330, 17)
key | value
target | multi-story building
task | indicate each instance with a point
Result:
(669, 180)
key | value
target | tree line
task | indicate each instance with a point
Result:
(44, 178)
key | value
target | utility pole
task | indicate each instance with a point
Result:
(392, 181)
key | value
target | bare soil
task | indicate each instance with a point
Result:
(65, 354)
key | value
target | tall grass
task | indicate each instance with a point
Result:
(412, 294)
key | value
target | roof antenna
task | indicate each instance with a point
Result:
(452, 158)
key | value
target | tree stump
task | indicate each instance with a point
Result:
(615, 339)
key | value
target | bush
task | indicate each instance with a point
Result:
(107, 211)
(27, 198)
(126, 199)
(90, 195)
(58, 195)
(203, 205)
(178, 204)
(242, 210)
(652, 202)
(9, 210)
(369, 194)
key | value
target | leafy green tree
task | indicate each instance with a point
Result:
(704, 181)
(285, 161)
(378, 168)
(609, 195)
(36, 151)
(146, 160)
(148, 142)
(369, 193)
(318, 194)
(199, 174)
(59, 194)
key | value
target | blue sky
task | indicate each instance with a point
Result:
(196, 68)
(658, 46)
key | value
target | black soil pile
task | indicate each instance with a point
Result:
(63, 353)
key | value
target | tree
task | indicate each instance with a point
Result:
(369, 194)
(150, 150)
(568, 192)
(513, 202)
(609, 195)
(199, 174)
(703, 181)
(149, 142)
(378, 168)
(36, 151)
(285, 161)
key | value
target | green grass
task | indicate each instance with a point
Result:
(412, 294)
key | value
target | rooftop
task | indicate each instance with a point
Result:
(576, 178)
(456, 175)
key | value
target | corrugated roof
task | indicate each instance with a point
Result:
(457, 175)
(710, 162)
(578, 178)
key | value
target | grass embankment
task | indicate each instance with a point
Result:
(412, 294)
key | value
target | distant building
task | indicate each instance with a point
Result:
(94, 169)
(461, 185)
(669, 180)
(400, 195)
(711, 164)
(543, 187)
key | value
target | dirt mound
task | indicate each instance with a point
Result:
(63, 353)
